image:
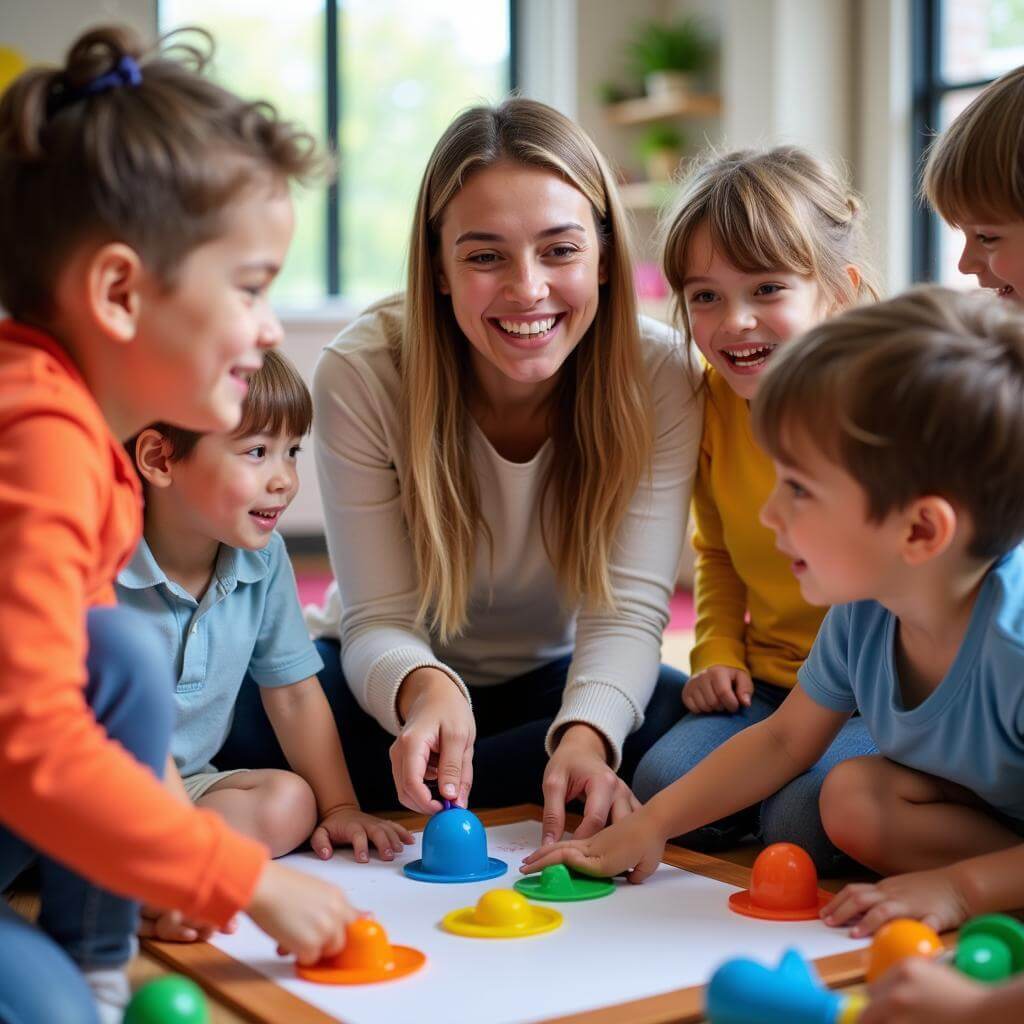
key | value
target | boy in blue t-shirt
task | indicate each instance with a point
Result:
(213, 576)
(897, 432)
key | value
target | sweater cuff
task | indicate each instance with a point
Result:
(602, 706)
(385, 678)
(718, 650)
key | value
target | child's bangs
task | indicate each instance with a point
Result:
(974, 186)
(278, 402)
(759, 227)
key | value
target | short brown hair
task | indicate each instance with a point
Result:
(975, 168)
(154, 164)
(278, 402)
(922, 394)
(774, 209)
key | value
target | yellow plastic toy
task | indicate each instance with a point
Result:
(501, 914)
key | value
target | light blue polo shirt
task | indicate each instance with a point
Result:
(970, 729)
(249, 620)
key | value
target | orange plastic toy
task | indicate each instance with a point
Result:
(368, 957)
(898, 939)
(783, 886)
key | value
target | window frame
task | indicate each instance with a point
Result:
(332, 268)
(929, 89)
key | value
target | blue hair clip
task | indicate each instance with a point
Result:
(126, 72)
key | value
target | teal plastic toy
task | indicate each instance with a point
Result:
(170, 1000)
(557, 884)
(990, 948)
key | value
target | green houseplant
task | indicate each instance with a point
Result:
(661, 149)
(668, 56)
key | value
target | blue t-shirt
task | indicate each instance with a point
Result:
(249, 620)
(970, 729)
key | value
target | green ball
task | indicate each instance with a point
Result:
(169, 1000)
(984, 958)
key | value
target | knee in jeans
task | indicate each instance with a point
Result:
(651, 777)
(850, 810)
(286, 814)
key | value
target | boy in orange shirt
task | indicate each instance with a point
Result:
(144, 212)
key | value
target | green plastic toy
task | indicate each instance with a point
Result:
(169, 1000)
(990, 948)
(557, 884)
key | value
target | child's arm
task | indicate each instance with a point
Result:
(305, 728)
(921, 991)
(720, 680)
(942, 898)
(749, 767)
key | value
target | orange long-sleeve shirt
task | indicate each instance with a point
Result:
(70, 517)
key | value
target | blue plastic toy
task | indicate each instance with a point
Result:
(455, 850)
(745, 992)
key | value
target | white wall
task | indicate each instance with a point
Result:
(42, 30)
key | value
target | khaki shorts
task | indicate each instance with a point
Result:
(196, 785)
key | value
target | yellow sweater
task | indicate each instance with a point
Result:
(750, 613)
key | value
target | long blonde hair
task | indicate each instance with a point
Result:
(771, 210)
(602, 423)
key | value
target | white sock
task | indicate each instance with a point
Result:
(111, 991)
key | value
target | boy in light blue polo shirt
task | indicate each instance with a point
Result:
(897, 432)
(213, 576)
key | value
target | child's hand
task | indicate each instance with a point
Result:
(933, 897)
(347, 824)
(633, 845)
(719, 688)
(306, 915)
(920, 991)
(174, 926)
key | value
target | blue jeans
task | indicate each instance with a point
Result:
(130, 691)
(512, 720)
(790, 815)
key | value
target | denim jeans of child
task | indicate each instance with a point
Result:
(790, 815)
(130, 690)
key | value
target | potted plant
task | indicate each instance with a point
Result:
(667, 57)
(661, 149)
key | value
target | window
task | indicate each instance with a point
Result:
(959, 47)
(378, 81)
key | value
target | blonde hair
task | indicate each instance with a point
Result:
(602, 426)
(777, 209)
(975, 168)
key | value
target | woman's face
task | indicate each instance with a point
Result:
(520, 258)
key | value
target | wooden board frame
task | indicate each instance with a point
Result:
(256, 997)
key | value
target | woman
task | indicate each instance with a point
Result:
(506, 456)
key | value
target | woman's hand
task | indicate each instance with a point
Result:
(436, 741)
(718, 688)
(579, 768)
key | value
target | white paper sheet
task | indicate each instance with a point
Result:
(670, 932)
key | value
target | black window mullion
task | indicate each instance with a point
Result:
(926, 67)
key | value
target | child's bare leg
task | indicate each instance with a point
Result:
(894, 819)
(275, 807)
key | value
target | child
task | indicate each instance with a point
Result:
(144, 212)
(212, 575)
(897, 431)
(762, 246)
(973, 178)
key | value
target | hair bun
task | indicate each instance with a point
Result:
(98, 51)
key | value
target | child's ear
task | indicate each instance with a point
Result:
(932, 523)
(113, 279)
(153, 457)
(442, 283)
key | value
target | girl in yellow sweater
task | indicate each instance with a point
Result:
(761, 247)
